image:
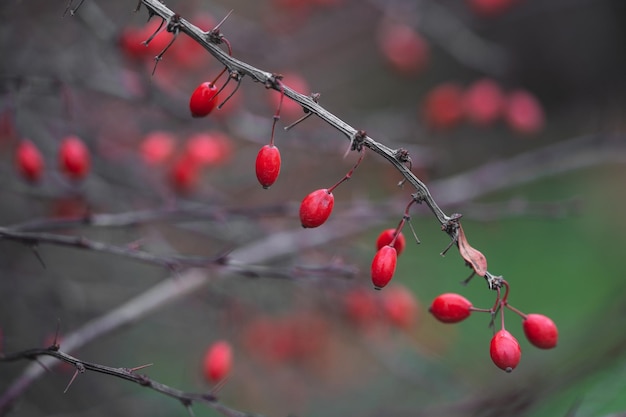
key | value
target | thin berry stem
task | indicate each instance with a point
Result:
(515, 310)
(349, 174)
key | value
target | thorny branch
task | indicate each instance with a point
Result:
(397, 157)
(128, 374)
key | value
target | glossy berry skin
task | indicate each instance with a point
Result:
(267, 165)
(29, 161)
(383, 266)
(450, 308)
(218, 361)
(540, 331)
(385, 238)
(316, 208)
(74, 158)
(203, 100)
(505, 350)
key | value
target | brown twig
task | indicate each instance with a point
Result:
(128, 374)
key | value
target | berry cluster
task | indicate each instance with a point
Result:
(74, 159)
(482, 103)
(505, 350)
(200, 151)
(396, 306)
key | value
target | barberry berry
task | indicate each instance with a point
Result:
(483, 102)
(29, 161)
(385, 238)
(157, 147)
(524, 113)
(203, 100)
(400, 306)
(218, 361)
(450, 308)
(443, 106)
(505, 350)
(383, 266)
(74, 157)
(404, 49)
(316, 208)
(267, 165)
(541, 331)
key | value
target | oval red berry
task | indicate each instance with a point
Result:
(400, 306)
(505, 350)
(383, 266)
(385, 238)
(450, 308)
(29, 161)
(316, 208)
(540, 331)
(203, 100)
(218, 361)
(74, 157)
(268, 165)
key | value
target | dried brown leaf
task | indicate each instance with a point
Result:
(473, 257)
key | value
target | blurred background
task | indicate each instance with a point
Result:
(512, 112)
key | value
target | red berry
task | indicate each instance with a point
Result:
(483, 102)
(400, 306)
(505, 350)
(524, 113)
(540, 331)
(209, 148)
(74, 157)
(184, 174)
(268, 165)
(203, 100)
(29, 161)
(132, 40)
(385, 238)
(383, 266)
(450, 308)
(316, 208)
(361, 306)
(403, 48)
(218, 361)
(443, 106)
(157, 147)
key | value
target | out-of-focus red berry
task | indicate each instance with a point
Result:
(483, 102)
(157, 147)
(403, 48)
(208, 148)
(29, 161)
(443, 106)
(218, 361)
(524, 113)
(74, 159)
(400, 306)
